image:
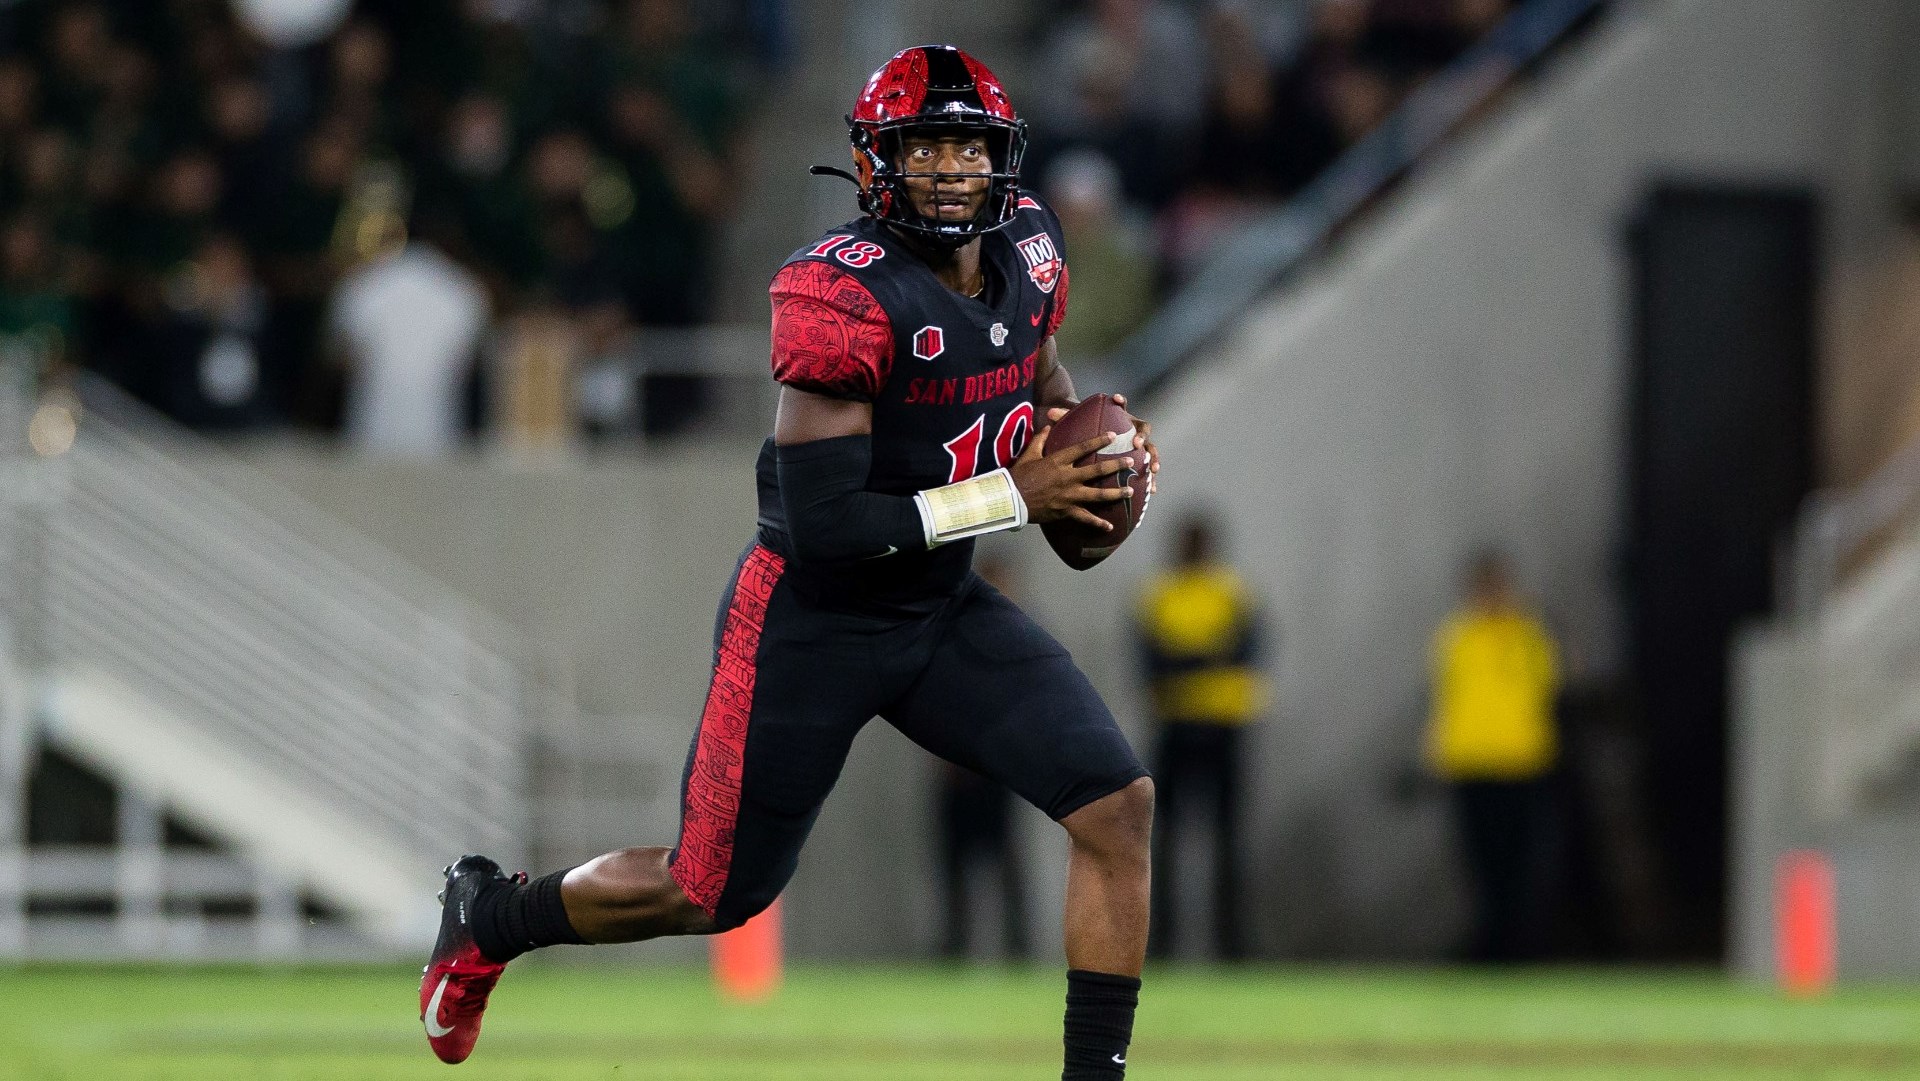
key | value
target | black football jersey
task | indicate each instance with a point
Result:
(951, 378)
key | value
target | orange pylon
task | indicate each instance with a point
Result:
(747, 959)
(1804, 930)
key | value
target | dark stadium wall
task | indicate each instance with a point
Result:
(1721, 450)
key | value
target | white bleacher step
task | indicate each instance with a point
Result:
(1875, 617)
(1868, 639)
(385, 891)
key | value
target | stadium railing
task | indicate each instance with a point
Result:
(1267, 249)
(222, 651)
(1854, 580)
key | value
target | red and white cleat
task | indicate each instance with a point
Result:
(458, 979)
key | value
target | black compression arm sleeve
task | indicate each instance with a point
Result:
(831, 517)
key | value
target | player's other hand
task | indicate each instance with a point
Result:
(1054, 488)
(1142, 441)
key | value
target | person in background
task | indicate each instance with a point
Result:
(1252, 137)
(1493, 740)
(1156, 58)
(298, 262)
(977, 834)
(1094, 81)
(1261, 139)
(252, 157)
(671, 118)
(1115, 291)
(474, 177)
(208, 367)
(1202, 641)
(36, 313)
(407, 326)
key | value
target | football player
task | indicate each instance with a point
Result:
(918, 373)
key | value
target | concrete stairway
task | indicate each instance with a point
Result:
(221, 652)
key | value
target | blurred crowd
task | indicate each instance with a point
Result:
(1160, 125)
(408, 220)
(248, 231)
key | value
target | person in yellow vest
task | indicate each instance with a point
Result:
(1201, 641)
(1493, 739)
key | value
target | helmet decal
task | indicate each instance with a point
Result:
(992, 97)
(896, 91)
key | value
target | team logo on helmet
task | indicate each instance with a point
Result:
(1043, 261)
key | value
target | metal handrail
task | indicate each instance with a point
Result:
(277, 631)
(215, 662)
(1835, 525)
(280, 521)
(1267, 249)
(1865, 640)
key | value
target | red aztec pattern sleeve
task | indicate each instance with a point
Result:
(1059, 313)
(830, 336)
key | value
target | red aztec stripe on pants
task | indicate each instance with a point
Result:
(712, 804)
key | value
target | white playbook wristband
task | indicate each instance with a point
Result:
(988, 503)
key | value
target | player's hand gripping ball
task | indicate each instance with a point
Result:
(1078, 544)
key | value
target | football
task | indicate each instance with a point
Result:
(1081, 546)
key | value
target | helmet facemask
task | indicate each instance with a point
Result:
(879, 154)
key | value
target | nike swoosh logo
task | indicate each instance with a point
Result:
(1119, 1060)
(1036, 319)
(432, 1016)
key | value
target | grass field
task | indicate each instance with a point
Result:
(908, 1024)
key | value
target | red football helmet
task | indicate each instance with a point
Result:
(925, 89)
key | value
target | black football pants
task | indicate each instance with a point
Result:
(976, 682)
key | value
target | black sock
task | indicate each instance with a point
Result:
(1099, 1024)
(509, 919)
